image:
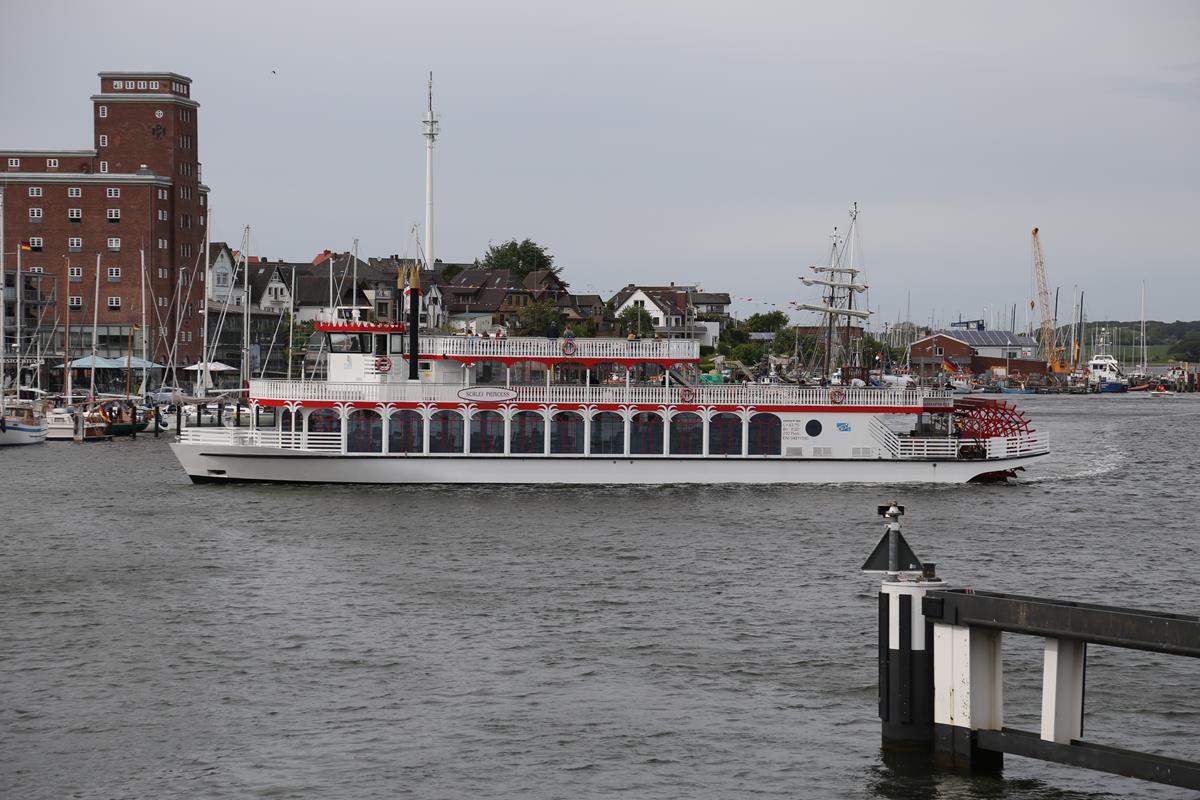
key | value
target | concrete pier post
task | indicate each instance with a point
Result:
(968, 680)
(1062, 690)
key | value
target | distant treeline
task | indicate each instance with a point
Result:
(1177, 340)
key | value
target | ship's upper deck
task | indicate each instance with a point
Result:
(390, 340)
(533, 348)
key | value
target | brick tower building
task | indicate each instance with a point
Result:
(136, 195)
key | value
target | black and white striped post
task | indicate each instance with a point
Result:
(905, 640)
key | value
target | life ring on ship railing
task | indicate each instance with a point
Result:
(687, 394)
(567, 347)
(383, 364)
(837, 395)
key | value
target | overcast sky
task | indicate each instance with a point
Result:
(709, 142)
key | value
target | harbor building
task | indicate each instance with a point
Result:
(89, 219)
(975, 352)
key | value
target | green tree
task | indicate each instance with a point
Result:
(635, 319)
(535, 318)
(1188, 349)
(521, 257)
(749, 354)
(766, 323)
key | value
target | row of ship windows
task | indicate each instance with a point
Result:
(685, 434)
(75, 245)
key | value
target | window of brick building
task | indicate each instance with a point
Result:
(35, 215)
(74, 191)
(14, 162)
(74, 245)
(51, 163)
(114, 302)
(35, 191)
(104, 166)
(153, 84)
(114, 273)
(114, 243)
(103, 112)
(76, 301)
(75, 273)
(35, 242)
(118, 84)
(114, 215)
(75, 214)
(112, 191)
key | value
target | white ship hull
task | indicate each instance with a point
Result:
(20, 433)
(206, 463)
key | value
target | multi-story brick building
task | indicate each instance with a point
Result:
(93, 215)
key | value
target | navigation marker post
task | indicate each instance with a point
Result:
(905, 639)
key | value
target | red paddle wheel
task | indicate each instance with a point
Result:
(985, 418)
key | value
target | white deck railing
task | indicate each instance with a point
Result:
(919, 447)
(532, 347)
(350, 392)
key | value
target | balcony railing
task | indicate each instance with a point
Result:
(772, 395)
(954, 447)
(534, 348)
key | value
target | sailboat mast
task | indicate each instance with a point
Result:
(1145, 361)
(95, 325)
(204, 359)
(246, 312)
(20, 314)
(145, 361)
(67, 338)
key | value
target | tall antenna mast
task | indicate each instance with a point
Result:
(431, 131)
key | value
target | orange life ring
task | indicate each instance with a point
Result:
(687, 394)
(383, 364)
(837, 395)
(568, 347)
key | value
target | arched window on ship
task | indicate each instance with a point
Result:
(446, 432)
(487, 432)
(405, 432)
(528, 433)
(566, 433)
(324, 420)
(646, 434)
(608, 434)
(687, 434)
(766, 435)
(725, 435)
(364, 433)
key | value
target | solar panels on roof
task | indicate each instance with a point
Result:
(989, 338)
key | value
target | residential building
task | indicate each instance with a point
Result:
(672, 311)
(92, 216)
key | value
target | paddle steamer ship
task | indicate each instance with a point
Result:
(525, 410)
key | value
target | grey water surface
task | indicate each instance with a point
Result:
(159, 639)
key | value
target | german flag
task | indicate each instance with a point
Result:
(27, 246)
